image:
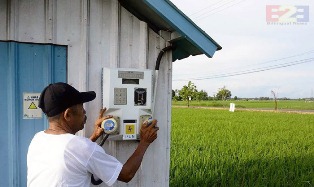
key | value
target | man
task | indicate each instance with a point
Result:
(56, 157)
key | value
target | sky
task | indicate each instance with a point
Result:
(257, 56)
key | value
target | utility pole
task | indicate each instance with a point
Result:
(275, 98)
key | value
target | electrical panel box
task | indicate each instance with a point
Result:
(127, 95)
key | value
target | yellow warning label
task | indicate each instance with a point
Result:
(32, 106)
(130, 129)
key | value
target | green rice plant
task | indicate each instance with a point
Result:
(244, 148)
(282, 104)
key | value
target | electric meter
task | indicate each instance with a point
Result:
(127, 95)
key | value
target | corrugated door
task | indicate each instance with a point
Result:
(24, 68)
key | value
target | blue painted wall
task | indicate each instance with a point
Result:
(23, 68)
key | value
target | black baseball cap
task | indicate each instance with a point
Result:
(57, 97)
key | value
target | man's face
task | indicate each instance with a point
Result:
(79, 117)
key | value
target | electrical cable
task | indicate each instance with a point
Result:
(101, 143)
(220, 10)
(256, 64)
(213, 10)
(103, 140)
(205, 8)
(246, 71)
(94, 181)
(278, 66)
(270, 67)
(158, 61)
(161, 53)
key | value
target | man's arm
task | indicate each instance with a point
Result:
(148, 135)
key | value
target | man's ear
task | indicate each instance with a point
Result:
(67, 114)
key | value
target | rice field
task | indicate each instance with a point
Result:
(244, 148)
(281, 104)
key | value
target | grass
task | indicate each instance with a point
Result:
(244, 148)
(282, 104)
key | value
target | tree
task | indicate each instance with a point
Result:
(188, 90)
(223, 94)
(201, 95)
(176, 96)
(173, 94)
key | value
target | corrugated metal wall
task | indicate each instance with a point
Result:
(99, 33)
(126, 42)
(24, 68)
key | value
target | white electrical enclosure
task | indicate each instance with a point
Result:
(127, 95)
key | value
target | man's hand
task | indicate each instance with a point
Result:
(98, 131)
(148, 132)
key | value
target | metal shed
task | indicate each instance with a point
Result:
(71, 41)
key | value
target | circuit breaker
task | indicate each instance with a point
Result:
(127, 95)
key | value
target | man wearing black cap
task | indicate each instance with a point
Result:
(56, 157)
